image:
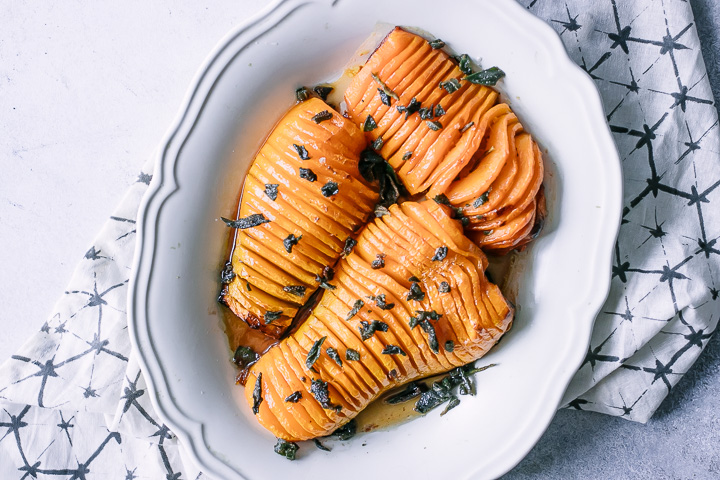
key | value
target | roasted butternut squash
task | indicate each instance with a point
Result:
(445, 135)
(303, 197)
(413, 284)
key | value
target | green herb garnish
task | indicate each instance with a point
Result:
(308, 174)
(412, 390)
(346, 432)
(442, 200)
(415, 293)
(381, 211)
(449, 346)
(314, 353)
(487, 77)
(378, 143)
(323, 91)
(301, 94)
(301, 151)
(384, 87)
(329, 189)
(380, 302)
(440, 254)
(319, 389)
(407, 156)
(271, 190)
(367, 330)
(412, 107)
(393, 350)
(320, 445)
(369, 125)
(454, 402)
(322, 116)
(436, 44)
(355, 309)
(434, 125)
(481, 199)
(444, 287)
(466, 127)
(352, 355)
(327, 275)
(286, 449)
(426, 113)
(227, 274)
(373, 167)
(451, 86)
(379, 261)
(294, 397)
(384, 97)
(432, 336)
(349, 245)
(290, 241)
(439, 111)
(334, 355)
(271, 316)
(297, 290)
(257, 394)
(465, 64)
(244, 356)
(247, 222)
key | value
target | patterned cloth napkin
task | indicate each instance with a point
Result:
(74, 400)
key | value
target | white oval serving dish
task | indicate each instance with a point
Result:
(246, 84)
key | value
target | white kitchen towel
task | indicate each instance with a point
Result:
(74, 401)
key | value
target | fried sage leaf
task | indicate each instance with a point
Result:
(440, 254)
(487, 77)
(290, 241)
(286, 449)
(257, 394)
(322, 116)
(246, 222)
(314, 353)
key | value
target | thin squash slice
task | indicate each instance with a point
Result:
(303, 197)
(445, 135)
(410, 300)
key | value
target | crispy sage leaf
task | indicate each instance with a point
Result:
(286, 449)
(323, 91)
(329, 189)
(257, 394)
(334, 355)
(271, 316)
(440, 254)
(487, 77)
(322, 116)
(314, 353)
(355, 309)
(290, 241)
(369, 125)
(247, 222)
(393, 350)
(301, 151)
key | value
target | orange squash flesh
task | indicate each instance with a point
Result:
(474, 316)
(260, 260)
(480, 149)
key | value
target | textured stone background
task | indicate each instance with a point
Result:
(682, 440)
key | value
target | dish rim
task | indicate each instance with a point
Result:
(164, 184)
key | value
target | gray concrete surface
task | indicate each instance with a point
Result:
(682, 440)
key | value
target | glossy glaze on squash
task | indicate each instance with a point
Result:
(411, 240)
(481, 158)
(272, 274)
